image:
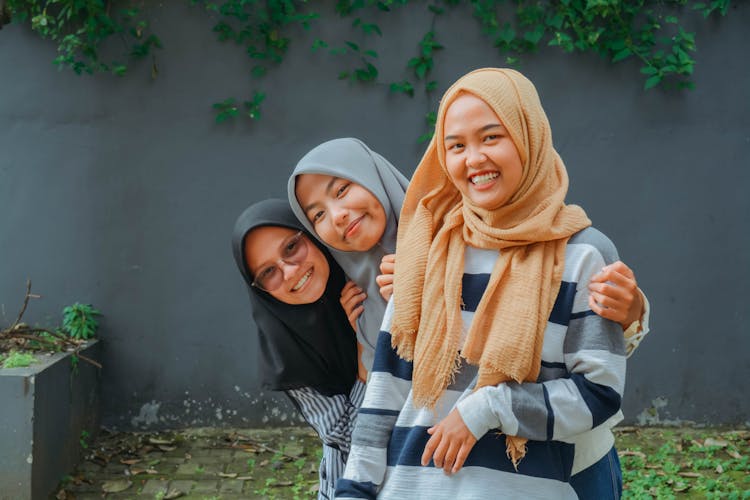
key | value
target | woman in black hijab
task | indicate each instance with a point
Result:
(306, 345)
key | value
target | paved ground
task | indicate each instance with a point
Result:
(228, 464)
(201, 464)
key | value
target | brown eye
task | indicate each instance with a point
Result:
(342, 190)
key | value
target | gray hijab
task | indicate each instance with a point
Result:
(351, 159)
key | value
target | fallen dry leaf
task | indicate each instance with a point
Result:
(719, 469)
(230, 475)
(681, 487)
(715, 442)
(156, 440)
(690, 474)
(244, 478)
(628, 453)
(263, 463)
(163, 447)
(116, 486)
(173, 493)
(734, 454)
(283, 483)
(131, 461)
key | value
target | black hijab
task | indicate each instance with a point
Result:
(306, 345)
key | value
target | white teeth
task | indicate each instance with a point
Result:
(481, 179)
(302, 280)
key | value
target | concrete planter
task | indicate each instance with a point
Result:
(44, 410)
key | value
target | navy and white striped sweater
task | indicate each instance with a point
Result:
(572, 405)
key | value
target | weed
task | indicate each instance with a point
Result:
(18, 360)
(79, 321)
(84, 439)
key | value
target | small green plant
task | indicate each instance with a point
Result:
(199, 469)
(18, 360)
(84, 439)
(79, 321)
(250, 464)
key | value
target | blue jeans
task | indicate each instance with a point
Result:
(601, 481)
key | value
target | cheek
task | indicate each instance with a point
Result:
(453, 169)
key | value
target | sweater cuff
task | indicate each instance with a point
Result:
(476, 413)
(634, 336)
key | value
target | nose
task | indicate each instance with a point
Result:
(339, 214)
(474, 157)
(288, 269)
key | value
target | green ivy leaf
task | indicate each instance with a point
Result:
(652, 82)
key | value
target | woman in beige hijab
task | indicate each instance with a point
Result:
(491, 365)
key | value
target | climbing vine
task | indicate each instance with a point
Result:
(81, 27)
(648, 31)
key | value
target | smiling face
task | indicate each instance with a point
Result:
(303, 281)
(345, 215)
(481, 158)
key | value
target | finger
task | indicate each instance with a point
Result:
(613, 276)
(463, 453)
(384, 279)
(387, 267)
(355, 313)
(450, 457)
(612, 291)
(611, 314)
(354, 300)
(623, 269)
(439, 456)
(390, 258)
(386, 292)
(347, 294)
(622, 280)
(429, 449)
(605, 301)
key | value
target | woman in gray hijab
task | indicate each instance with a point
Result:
(352, 206)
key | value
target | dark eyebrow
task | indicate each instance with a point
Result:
(483, 129)
(329, 186)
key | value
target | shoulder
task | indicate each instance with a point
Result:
(591, 240)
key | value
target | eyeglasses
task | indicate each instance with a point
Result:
(293, 251)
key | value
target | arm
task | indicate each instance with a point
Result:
(387, 390)
(332, 417)
(591, 368)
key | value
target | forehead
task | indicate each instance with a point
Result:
(468, 111)
(262, 243)
(308, 186)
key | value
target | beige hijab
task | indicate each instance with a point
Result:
(531, 231)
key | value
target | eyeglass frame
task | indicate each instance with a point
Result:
(298, 237)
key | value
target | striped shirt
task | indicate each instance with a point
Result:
(577, 395)
(332, 417)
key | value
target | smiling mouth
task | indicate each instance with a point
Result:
(480, 179)
(352, 228)
(302, 280)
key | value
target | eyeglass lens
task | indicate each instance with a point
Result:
(292, 252)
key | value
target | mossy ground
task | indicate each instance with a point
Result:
(227, 464)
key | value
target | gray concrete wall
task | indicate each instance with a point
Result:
(123, 193)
